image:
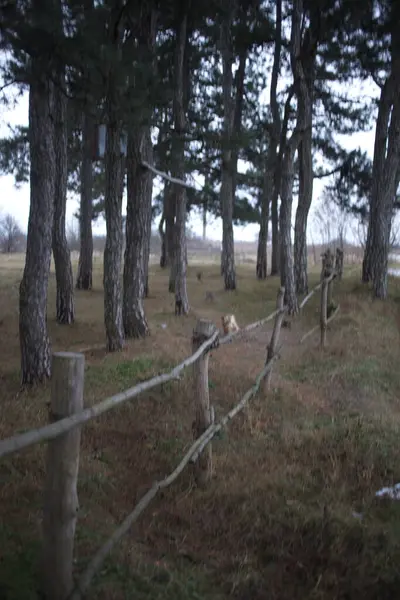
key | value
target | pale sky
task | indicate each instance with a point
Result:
(16, 201)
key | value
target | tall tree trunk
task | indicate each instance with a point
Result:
(261, 268)
(138, 229)
(276, 244)
(113, 247)
(303, 208)
(384, 182)
(181, 297)
(307, 58)
(147, 248)
(262, 263)
(285, 226)
(204, 220)
(289, 150)
(85, 266)
(34, 341)
(170, 236)
(163, 240)
(84, 280)
(227, 167)
(65, 309)
(275, 139)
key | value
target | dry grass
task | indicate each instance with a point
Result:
(277, 520)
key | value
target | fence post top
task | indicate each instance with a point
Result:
(68, 355)
(204, 328)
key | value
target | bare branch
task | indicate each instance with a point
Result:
(164, 175)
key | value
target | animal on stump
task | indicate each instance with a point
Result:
(229, 324)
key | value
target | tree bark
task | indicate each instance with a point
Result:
(65, 308)
(386, 163)
(287, 174)
(285, 226)
(303, 208)
(163, 254)
(261, 268)
(113, 247)
(138, 230)
(306, 177)
(34, 341)
(227, 167)
(275, 250)
(84, 280)
(274, 141)
(85, 266)
(179, 192)
(170, 236)
(204, 220)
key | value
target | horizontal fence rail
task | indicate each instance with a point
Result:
(68, 417)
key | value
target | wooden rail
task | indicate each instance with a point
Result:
(68, 415)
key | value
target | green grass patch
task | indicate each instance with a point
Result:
(124, 374)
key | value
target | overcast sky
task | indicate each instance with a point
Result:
(16, 201)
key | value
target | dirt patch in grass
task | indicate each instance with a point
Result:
(291, 511)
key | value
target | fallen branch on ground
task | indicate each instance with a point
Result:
(53, 430)
(333, 315)
(191, 456)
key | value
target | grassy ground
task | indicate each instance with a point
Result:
(291, 511)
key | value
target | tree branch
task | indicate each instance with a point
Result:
(164, 175)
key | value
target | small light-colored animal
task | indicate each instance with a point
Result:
(229, 324)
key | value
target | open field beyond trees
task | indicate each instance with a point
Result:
(291, 512)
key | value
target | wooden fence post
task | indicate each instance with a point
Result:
(60, 497)
(203, 412)
(273, 344)
(324, 311)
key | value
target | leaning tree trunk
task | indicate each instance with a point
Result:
(178, 268)
(384, 183)
(138, 230)
(85, 266)
(285, 226)
(113, 247)
(303, 208)
(65, 309)
(34, 340)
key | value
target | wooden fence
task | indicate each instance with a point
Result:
(67, 415)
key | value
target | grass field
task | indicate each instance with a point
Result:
(291, 512)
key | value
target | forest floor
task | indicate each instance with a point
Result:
(291, 511)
